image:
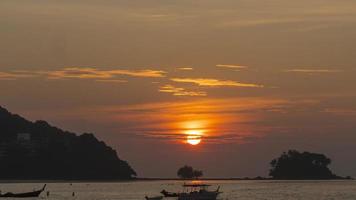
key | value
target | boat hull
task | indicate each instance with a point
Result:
(23, 195)
(198, 196)
(154, 198)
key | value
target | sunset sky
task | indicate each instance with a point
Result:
(249, 79)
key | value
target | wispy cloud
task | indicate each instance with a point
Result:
(77, 72)
(215, 82)
(312, 71)
(82, 73)
(341, 111)
(13, 75)
(178, 91)
(232, 66)
(185, 68)
(261, 22)
(94, 73)
(111, 81)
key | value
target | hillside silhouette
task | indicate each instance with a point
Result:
(37, 150)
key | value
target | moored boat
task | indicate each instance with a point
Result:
(24, 195)
(169, 194)
(154, 198)
(194, 192)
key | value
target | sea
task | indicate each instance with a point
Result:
(239, 190)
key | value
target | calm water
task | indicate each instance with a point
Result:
(241, 190)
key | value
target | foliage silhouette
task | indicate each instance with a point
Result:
(187, 172)
(296, 165)
(197, 174)
(54, 154)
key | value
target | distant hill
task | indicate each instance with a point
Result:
(37, 150)
(295, 165)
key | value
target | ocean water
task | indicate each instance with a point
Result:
(239, 190)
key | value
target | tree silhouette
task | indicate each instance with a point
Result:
(187, 172)
(197, 174)
(297, 165)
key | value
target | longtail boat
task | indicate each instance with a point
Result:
(24, 195)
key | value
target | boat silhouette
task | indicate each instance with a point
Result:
(24, 195)
(194, 192)
(154, 198)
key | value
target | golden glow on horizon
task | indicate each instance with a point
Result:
(212, 121)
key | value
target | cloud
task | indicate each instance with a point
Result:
(312, 71)
(140, 73)
(94, 73)
(6, 76)
(341, 111)
(215, 82)
(13, 75)
(82, 73)
(77, 72)
(232, 66)
(177, 91)
(111, 81)
(261, 22)
(185, 68)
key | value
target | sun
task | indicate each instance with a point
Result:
(193, 140)
(193, 137)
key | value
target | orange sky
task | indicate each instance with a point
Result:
(251, 78)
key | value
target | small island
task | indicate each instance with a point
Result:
(188, 172)
(39, 151)
(295, 165)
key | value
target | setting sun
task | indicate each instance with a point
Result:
(193, 140)
(194, 136)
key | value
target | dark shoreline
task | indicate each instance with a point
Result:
(164, 179)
